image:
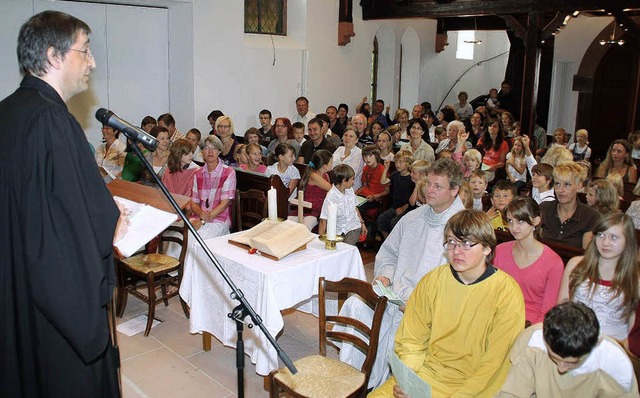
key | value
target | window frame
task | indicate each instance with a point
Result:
(260, 30)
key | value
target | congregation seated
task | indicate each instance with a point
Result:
(405, 257)
(467, 293)
(606, 278)
(566, 356)
(180, 169)
(110, 154)
(315, 142)
(535, 266)
(315, 185)
(619, 161)
(283, 134)
(214, 188)
(566, 220)
(349, 153)
(158, 158)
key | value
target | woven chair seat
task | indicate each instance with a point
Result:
(322, 377)
(156, 262)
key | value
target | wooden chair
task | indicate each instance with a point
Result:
(251, 208)
(152, 271)
(319, 376)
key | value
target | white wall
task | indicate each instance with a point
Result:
(570, 46)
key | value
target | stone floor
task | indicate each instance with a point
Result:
(170, 362)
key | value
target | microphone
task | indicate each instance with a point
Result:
(134, 133)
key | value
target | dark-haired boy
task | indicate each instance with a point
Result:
(567, 357)
(502, 194)
(542, 181)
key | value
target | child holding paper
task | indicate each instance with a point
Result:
(349, 223)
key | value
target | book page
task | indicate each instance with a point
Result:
(381, 290)
(145, 223)
(275, 238)
(412, 384)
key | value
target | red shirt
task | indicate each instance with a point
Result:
(371, 181)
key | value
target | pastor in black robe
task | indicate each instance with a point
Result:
(56, 267)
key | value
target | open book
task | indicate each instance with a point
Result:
(145, 222)
(275, 239)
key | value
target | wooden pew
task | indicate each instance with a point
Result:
(246, 180)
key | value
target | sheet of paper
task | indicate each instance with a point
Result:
(145, 222)
(412, 384)
(382, 290)
(360, 200)
(135, 325)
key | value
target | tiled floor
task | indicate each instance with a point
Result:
(170, 362)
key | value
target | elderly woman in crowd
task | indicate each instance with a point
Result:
(450, 143)
(350, 154)
(213, 190)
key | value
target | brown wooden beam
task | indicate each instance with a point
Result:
(392, 9)
(531, 73)
(516, 27)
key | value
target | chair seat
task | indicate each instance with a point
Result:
(156, 262)
(322, 377)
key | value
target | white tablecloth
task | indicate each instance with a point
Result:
(269, 286)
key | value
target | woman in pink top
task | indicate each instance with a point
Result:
(181, 169)
(535, 266)
(495, 149)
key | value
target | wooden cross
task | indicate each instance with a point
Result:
(301, 205)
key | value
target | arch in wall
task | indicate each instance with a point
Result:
(409, 68)
(608, 85)
(386, 77)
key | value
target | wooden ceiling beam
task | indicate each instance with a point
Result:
(393, 9)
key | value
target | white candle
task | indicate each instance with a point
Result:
(272, 199)
(332, 216)
(300, 206)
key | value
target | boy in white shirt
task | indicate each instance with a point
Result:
(349, 223)
(542, 181)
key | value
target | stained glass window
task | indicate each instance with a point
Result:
(265, 16)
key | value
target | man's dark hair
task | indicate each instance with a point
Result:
(426, 106)
(324, 117)
(380, 101)
(336, 109)
(215, 114)
(303, 98)
(266, 112)
(44, 30)
(167, 119)
(148, 120)
(345, 106)
(316, 120)
(571, 329)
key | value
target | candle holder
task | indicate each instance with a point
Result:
(330, 244)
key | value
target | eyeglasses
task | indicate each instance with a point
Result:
(209, 148)
(87, 53)
(453, 245)
(224, 126)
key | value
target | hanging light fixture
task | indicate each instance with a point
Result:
(475, 24)
(612, 39)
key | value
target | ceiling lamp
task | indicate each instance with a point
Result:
(478, 42)
(612, 39)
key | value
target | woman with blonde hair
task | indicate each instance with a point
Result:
(225, 130)
(602, 196)
(606, 277)
(619, 161)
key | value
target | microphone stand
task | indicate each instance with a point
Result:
(244, 308)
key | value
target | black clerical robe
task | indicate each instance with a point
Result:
(56, 267)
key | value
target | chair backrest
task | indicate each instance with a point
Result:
(251, 208)
(177, 234)
(378, 304)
